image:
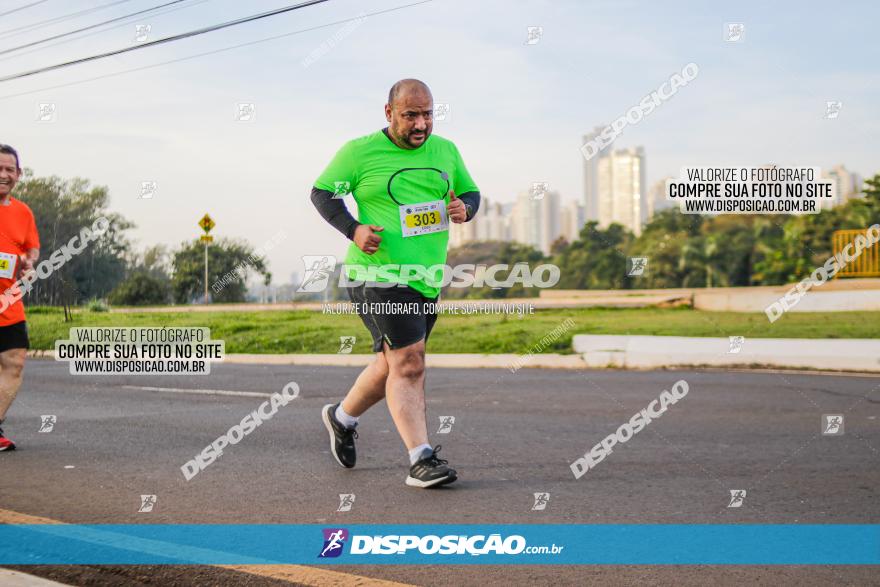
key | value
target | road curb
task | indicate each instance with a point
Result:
(624, 352)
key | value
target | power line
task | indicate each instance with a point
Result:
(90, 27)
(170, 10)
(170, 39)
(207, 53)
(23, 29)
(20, 8)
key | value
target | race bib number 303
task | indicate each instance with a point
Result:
(424, 218)
(7, 265)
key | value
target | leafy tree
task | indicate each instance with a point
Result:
(559, 245)
(141, 289)
(663, 242)
(230, 263)
(597, 260)
(865, 212)
(493, 253)
(154, 261)
(62, 208)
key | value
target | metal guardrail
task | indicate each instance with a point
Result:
(865, 265)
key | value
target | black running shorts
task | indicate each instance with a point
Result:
(14, 336)
(398, 315)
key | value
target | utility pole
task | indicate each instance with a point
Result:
(206, 224)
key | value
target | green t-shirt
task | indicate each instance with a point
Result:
(373, 166)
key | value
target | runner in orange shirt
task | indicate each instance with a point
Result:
(19, 250)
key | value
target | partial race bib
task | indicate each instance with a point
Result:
(7, 265)
(424, 218)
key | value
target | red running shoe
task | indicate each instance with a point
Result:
(5, 443)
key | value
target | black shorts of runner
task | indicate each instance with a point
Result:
(14, 336)
(398, 315)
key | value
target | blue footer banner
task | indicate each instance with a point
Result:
(599, 544)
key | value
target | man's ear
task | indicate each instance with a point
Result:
(388, 112)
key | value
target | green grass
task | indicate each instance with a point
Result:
(312, 332)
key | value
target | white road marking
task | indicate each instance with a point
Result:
(201, 391)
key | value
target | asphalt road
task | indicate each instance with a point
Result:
(514, 434)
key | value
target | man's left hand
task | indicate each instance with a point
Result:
(456, 210)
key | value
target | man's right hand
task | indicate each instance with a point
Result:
(366, 239)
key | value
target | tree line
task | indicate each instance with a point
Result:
(685, 250)
(681, 251)
(111, 268)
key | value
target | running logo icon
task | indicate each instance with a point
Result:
(148, 189)
(534, 34)
(832, 424)
(245, 112)
(46, 112)
(446, 423)
(737, 496)
(147, 504)
(334, 541)
(734, 32)
(318, 271)
(441, 111)
(48, 423)
(637, 266)
(541, 501)
(341, 188)
(539, 189)
(346, 344)
(832, 109)
(736, 344)
(142, 32)
(346, 500)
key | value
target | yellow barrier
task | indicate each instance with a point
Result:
(865, 265)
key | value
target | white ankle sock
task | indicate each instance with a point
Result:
(419, 452)
(345, 419)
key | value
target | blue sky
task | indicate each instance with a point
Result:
(517, 111)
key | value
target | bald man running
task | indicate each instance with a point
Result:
(404, 180)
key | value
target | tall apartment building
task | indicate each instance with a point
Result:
(572, 220)
(847, 185)
(623, 197)
(591, 177)
(490, 224)
(657, 197)
(536, 221)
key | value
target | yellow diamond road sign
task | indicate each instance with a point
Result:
(206, 223)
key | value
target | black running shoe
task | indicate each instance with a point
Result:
(341, 438)
(430, 471)
(5, 443)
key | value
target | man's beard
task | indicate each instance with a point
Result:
(410, 140)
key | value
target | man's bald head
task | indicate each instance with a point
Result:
(407, 85)
(410, 111)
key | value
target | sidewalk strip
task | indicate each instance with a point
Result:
(10, 578)
(311, 576)
(299, 574)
